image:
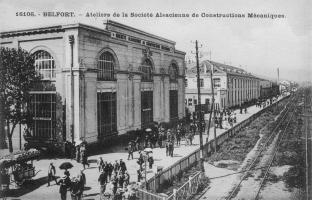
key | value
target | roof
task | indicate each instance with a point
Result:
(50, 29)
(218, 67)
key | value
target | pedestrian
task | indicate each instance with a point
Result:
(130, 151)
(63, 188)
(167, 147)
(84, 158)
(75, 190)
(102, 180)
(121, 179)
(100, 163)
(114, 181)
(77, 149)
(137, 143)
(220, 122)
(178, 137)
(171, 148)
(110, 170)
(82, 181)
(150, 162)
(139, 173)
(160, 139)
(82, 178)
(116, 167)
(51, 174)
(234, 118)
(245, 110)
(123, 166)
(140, 160)
(127, 179)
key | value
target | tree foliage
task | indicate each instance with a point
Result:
(17, 78)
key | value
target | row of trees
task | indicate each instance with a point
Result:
(17, 78)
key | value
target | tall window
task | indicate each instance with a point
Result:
(107, 118)
(44, 64)
(43, 109)
(186, 83)
(106, 67)
(146, 108)
(173, 72)
(146, 70)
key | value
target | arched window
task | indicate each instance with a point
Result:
(44, 64)
(106, 67)
(173, 72)
(146, 70)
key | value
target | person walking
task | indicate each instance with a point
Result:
(82, 181)
(63, 188)
(123, 166)
(75, 190)
(51, 174)
(84, 158)
(139, 173)
(100, 163)
(171, 148)
(130, 151)
(150, 161)
(102, 180)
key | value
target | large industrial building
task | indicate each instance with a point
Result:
(232, 85)
(100, 82)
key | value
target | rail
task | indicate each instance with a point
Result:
(154, 183)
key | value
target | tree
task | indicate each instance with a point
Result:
(17, 78)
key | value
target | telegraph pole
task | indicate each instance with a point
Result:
(213, 109)
(199, 111)
(71, 42)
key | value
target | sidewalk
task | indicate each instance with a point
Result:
(39, 190)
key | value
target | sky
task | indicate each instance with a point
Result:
(257, 45)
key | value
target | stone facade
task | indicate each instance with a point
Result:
(77, 67)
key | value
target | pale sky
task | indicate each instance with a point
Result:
(257, 45)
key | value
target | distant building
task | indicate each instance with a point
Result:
(123, 79)
(232, 86)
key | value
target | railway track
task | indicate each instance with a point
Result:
(279, 129)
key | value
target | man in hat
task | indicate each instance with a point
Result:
(63, 187)
(123, 167)
(130, 151)
(51, 174)
(102, 180)
(75, 190)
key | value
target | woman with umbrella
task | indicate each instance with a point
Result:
(66, 166)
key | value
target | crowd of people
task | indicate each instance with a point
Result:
(114, 179)
(75, 185)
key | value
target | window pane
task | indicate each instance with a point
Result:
(106, 65)
(44, 64)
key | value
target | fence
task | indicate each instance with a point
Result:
(156, 181)
(188, 189)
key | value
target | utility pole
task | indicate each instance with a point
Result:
(199, 111)
(213, 109)
(71, 42)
